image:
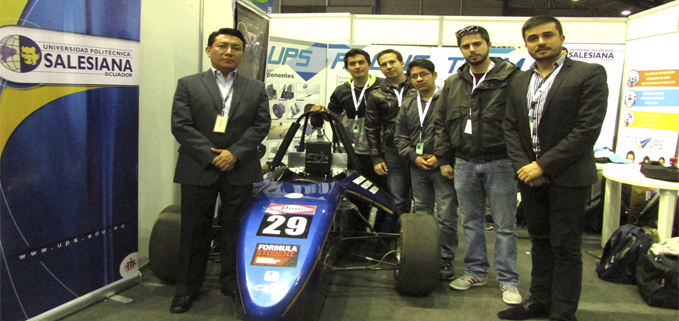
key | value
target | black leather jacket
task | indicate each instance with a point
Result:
(380, 120)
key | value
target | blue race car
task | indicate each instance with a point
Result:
(301, 218)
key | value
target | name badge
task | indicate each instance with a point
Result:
(357, 129)
(468, 127)
(220, 124)
(419, 148)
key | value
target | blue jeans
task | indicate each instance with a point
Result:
(398, 181)
(429, 188)
(494, 180)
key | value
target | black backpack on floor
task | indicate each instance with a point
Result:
(618, 262)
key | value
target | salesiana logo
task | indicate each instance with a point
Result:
(38, 56)
(19, 53)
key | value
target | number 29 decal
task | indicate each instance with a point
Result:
(285, 225)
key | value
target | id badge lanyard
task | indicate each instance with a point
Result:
(399, 96)
(419, 148)
(468, 126)
(532, 114)
(223, 119)
(357, 104)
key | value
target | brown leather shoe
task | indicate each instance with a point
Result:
(528, 309)
(181, 304)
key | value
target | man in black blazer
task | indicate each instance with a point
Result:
(219, 118)
(553, 118)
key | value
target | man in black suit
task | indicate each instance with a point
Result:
(553, 118)
(219, 117)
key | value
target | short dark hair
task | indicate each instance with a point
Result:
(422, 63)
(472, 30)
(388, 51)
(354, 52)
(225, 31)
(538, 21)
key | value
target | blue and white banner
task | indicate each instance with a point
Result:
(69, 106)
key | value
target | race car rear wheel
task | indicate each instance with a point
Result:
(419, 254)
(164, 244)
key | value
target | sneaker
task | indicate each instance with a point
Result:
(446, 270)
(467, 281)
(510, 294)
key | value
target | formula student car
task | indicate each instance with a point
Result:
(301, 218)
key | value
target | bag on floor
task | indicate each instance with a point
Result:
(618, 261)
(656, 277)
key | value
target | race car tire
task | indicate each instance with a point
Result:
(164, 244)
(419, 255)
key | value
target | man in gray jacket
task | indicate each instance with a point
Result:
(469, 118)
(414, 137)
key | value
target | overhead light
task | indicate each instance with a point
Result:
(626, 13)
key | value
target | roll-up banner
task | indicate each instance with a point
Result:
(649, 110)
(69, 105)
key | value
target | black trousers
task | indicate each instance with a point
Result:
(555, 219)
(197, 210)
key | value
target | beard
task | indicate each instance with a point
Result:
(551, 56)
(480, 61)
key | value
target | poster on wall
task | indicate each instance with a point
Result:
(266, 5)
(255, 28)
(295, 81)
(69, 105)
(648, 127)
(611, 57)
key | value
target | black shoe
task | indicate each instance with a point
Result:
(446, 269)
(181, 304)
(528, 309)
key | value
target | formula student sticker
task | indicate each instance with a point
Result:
(281, 255)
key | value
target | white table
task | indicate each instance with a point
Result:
(615, 175)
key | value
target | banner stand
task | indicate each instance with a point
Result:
(89, 299)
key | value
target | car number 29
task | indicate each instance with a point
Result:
(285, 225)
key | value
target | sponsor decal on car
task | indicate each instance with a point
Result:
(291, 209)
(281, 255)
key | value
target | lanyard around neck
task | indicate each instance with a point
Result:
(225, 109)
(474, 82)
(357, 103)
(421, 112)
(546, 84)
(399, 95)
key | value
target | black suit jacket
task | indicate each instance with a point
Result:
(570, 125)
(197, 102)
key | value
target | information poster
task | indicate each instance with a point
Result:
(295, 81)
(649, 110)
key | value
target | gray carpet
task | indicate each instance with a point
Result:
(369, 295)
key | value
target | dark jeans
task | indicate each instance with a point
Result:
(555, 216)
(198, 208)
(398, 181)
